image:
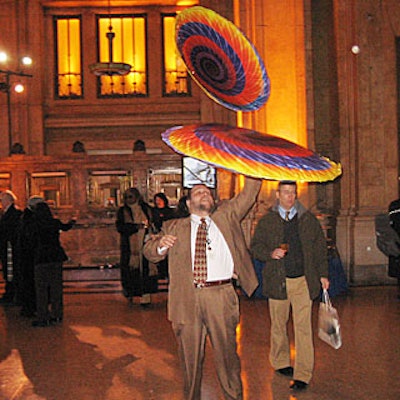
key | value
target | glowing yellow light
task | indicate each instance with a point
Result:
(19, 88)
(26, 60)
(186, 3)
(175, 69)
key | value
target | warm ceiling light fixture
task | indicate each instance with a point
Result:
(110, 68)
(19, 88)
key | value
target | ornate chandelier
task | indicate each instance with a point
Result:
(110, 68)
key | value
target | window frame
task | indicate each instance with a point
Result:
(146, 75)
(57, 96)
(163, 77)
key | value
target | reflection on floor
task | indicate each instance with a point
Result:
(108, 350)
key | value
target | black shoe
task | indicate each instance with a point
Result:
(55, 321)
(6, 300)
(298, 385)
(40, 323)
(287, 371)
(27, 313)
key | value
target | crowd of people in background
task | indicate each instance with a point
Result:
(32, 256)
(136, 222)
(32, 259)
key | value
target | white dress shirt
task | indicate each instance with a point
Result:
(282, 212)
(219, 257)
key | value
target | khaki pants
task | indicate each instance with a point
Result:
(216, 315)
(299, 299)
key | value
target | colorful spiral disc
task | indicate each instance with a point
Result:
(250, 153)
(220, 58)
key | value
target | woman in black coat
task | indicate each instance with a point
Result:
(48, 261)
(133, 221)
(161, 212)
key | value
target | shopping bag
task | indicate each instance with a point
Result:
(328, 322)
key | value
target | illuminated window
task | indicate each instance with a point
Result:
(68, 83)
(176, 80)
(54, 187)
(167, 181)
(105, 189)
(129, 47)
(5, 181)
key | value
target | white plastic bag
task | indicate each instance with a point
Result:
(328, 322)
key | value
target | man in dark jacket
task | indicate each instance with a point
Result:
(394, 262)
(290, 241)
(9, 225)
(26, 290)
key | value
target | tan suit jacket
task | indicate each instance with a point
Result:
(227, 218)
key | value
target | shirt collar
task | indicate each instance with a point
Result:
(196, 219)
(282, 212)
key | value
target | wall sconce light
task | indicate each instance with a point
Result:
(19, 88)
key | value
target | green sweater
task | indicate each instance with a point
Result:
(269, 235)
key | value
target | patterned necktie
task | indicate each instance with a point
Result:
(200, 257)
(287, 215)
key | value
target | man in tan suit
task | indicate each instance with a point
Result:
(211, 307)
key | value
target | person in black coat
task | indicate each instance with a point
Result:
(48, 260)
(132, 223)
(182, 210)
(394, 262)
(161, 212)
(27, 294)
(9, 226)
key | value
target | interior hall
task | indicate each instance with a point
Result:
(87, 87)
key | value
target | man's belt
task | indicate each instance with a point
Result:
(212, 283)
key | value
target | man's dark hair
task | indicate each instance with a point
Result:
(292, 183)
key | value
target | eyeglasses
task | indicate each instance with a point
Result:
(130, 197)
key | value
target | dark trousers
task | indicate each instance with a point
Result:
(9, 280)
(49, 290)
(9, 291)
(27, 293)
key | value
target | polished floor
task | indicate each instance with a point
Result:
(107, 349)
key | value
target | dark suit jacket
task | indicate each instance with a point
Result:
(9, 227)
(227, 218)
(394, 262)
